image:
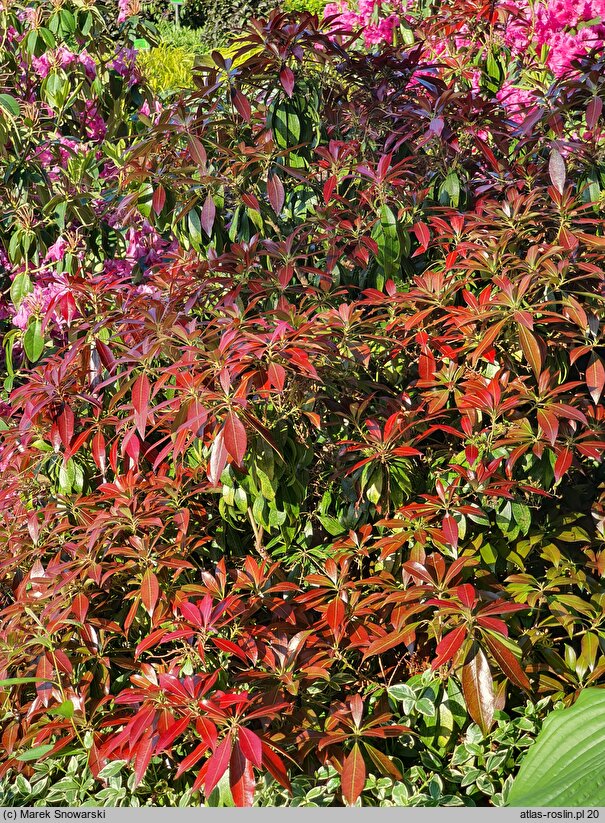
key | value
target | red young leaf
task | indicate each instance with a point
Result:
(150, 591)
(235, 437)
(286, 78)
(208, 215)
(141, 392)
(335, 614)
(275, 193)
(383, 644)
(450, 530)
(194, 757)
(421, 230)
(275, 766)
(171, 734)
(158, 200)
(79, 607)
(241, 778)
(197, 151)
(353, 775)
(144, 750)
(563, 462)
(507, 661)
(65, 424)
(277, 376)
(217, 765)
(242, 104)
(382, 762)
(593, 112)
(531, 349)
(595, 377)
(549, 424)
(251, 745)
(150, 641)
(449, 645)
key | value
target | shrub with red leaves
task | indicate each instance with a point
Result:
(351, 432)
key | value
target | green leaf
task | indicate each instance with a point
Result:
(21, 286)
(449, 192)
(9, 104)
(18, 681)
(522, 515)
(66, 709)
(35, 753)
(387, 238)
(566, 764)
(33, 340)
(401, 692)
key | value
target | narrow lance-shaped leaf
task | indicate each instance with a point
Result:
(150, 591)
(208, 215)
(505, 658)
(449, 646)
(141, 392)
(478, 688)
(241, 778)
(557, 171)
(235, 437)
(595, 377)
(531, 349)
(275, 193)
(217, 765)
(353, 776)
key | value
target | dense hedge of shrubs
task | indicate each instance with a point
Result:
(302, 423)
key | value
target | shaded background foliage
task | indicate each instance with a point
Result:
(302, 429)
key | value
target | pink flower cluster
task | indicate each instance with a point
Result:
(568, 28)
(377, 19)
(128, 8)
(516, 101)
(63, 58)
(55, 295)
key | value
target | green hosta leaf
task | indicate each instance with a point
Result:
(566, 764)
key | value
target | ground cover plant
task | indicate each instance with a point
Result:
(302, 415)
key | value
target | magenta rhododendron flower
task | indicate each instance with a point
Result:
(39, 301)
(378, 20)
(89, 65)
(93, 122)
(516, 101)
(56, 252)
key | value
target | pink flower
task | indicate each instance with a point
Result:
(93, 122)
(56, 252)
(64, 57)
(124, 63)
(88, 64)
(377, 19)
(123, 10)
(42, 65)
(39, 301)
(516, 101)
